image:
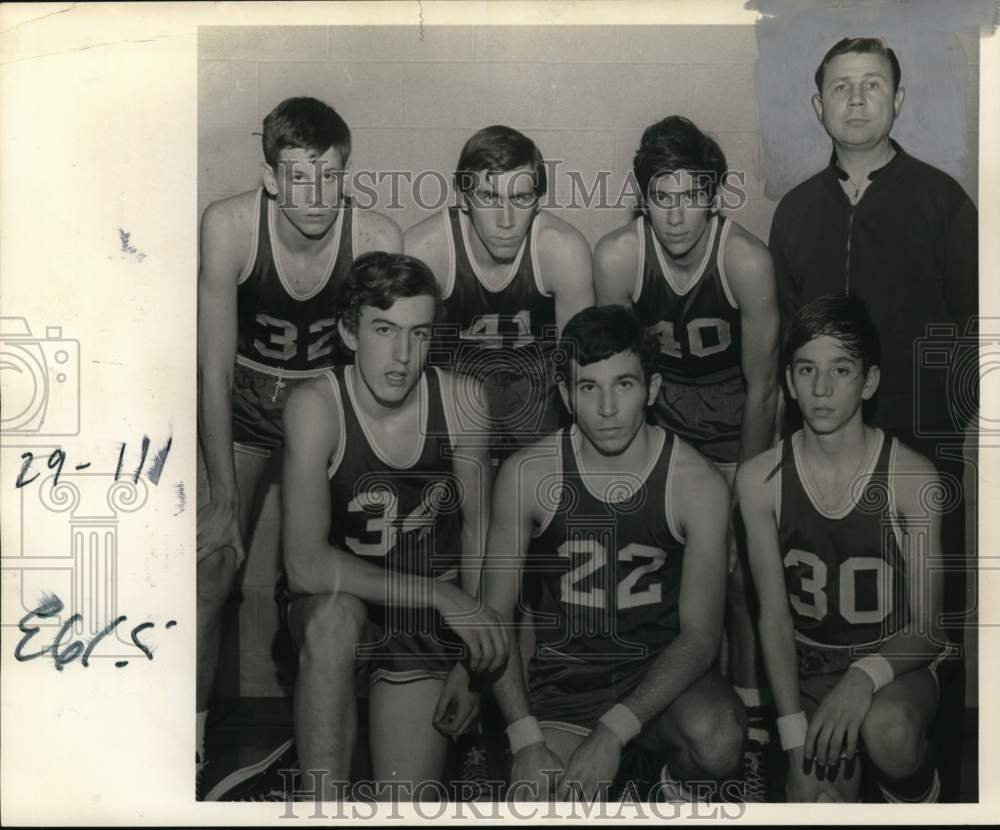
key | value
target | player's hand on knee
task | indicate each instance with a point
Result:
(592, 768)
(458, 705)
(480, 627)
(219, 528)
(802, 784)
(833, 731)
(534, 773)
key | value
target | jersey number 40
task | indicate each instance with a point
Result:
(627, 594)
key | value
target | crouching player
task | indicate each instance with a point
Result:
(384, 510)
(841, 522)
(619, 528)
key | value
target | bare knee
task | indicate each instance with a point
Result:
(715, 734)
(894, 737)
(332, 626)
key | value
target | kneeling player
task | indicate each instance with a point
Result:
(848, 606)
(620, 529)
(384, 518)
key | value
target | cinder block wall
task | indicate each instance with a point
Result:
(413, 97)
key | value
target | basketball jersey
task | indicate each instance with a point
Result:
(844, 572)
(698, 327)
(280, 331)
(480, 321)
(403, 518)
(607, 568)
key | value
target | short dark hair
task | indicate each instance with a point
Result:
(862, 46)
(842, 316)
(600, 332)
(499, 149)
(377, 279)
(307, 123)
(674, 144)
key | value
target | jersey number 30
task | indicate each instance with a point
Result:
(811, 599)
(626, 594)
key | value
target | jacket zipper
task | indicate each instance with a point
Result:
(847, 260)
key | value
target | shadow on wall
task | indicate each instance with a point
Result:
(938, 49)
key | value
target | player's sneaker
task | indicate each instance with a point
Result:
(265, 780)
(754, 784)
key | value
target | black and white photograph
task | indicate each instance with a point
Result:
(585, 412)
(551, 412)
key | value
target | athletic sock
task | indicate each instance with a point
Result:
(923, 786)
(756, 702)
(199, 734)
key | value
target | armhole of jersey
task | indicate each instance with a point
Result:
(720, 257)
(449, 277)
(536, 267)
(550, 514)
(447, 401)
(640, 230)
(894, 520)
(338, 455)
(777, 484)
(254, 238)
(667, 493)
(354, 231)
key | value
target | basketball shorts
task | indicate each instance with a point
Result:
(707, 417)
(822, 667)
(521, 392)
(401, 645)
(258, 401)
(576, 702)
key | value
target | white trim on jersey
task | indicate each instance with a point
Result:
(277, 371)
(449, 277)
(667, 499)
(640, 227)
(575, 439)
(254, 239)
(447, 387)
(699, 272)
(550, 514)
(423, 403)
(463, 223)
(535, 264)
(723, 238)
(897, 528)
(279, 268)
(338, 454)
(810, 489)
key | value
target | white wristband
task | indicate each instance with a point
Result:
(792, 730)
(524, 732)
(622, 721)
(877, 668)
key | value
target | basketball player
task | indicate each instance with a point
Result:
(839, 519)
(385, 508)
(511, 275)
(270, 260)
(704, 286)
(620, 529)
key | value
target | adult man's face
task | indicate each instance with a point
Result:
(500, 209)
(390, 346)
(858, 105)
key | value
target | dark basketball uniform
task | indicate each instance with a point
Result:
(845, 572)
(283, 337)
(606, 565)
(405, 519)
(504, 338)
(701, 398)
